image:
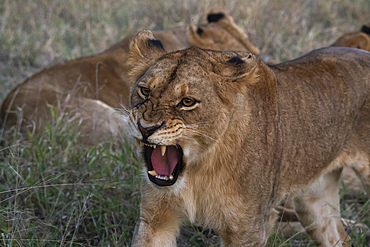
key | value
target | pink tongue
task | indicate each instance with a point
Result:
(164, 165)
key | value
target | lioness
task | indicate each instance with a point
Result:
(89, 89)
(359, 39)
(227, 137)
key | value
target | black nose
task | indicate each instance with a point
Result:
(148, 131)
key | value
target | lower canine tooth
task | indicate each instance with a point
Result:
(171, 177)
(153, 173)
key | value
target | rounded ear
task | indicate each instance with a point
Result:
(365, 29)
(227, 22)
(217, 14)
(237, 66)
(144, 51)
(215, 17)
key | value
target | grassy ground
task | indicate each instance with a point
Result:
(54, 192)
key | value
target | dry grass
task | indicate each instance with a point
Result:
(54, 193)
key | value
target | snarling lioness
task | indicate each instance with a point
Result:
(89, 89)
(227, 137)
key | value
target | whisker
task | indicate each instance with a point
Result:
(190, 138)
(124, 108)
(199, 123)
(119, 111)
(200, 133)
(131, 117)
(195, 129)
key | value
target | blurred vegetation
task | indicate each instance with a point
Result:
(35, 34)
(54, 192)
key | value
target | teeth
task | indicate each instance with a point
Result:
(163, 150)
(153, 173)
(162, 177)
(151, 145)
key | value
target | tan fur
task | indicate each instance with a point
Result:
(255, 135)
(360, 40)
(350, 174)
(356, 39)
(85, 87)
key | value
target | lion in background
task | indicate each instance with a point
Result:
(359, 39)
(226, 138)
(89, 89)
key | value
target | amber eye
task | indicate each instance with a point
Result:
(188, 102)
(144, 91)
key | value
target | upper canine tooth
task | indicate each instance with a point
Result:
(163, 150)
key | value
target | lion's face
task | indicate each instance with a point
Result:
(179, 108)
(171, 116)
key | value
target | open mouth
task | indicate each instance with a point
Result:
(164, 163)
